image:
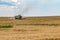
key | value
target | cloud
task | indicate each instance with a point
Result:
(6, 11)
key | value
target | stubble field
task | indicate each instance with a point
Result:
(31, 28)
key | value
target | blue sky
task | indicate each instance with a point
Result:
(33, 7)
(7, 3)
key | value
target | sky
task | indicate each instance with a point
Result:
(30, 7)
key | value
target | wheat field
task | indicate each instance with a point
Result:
(31, 28)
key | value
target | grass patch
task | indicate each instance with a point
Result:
(6, 26)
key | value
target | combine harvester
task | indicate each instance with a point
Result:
(18, 17)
